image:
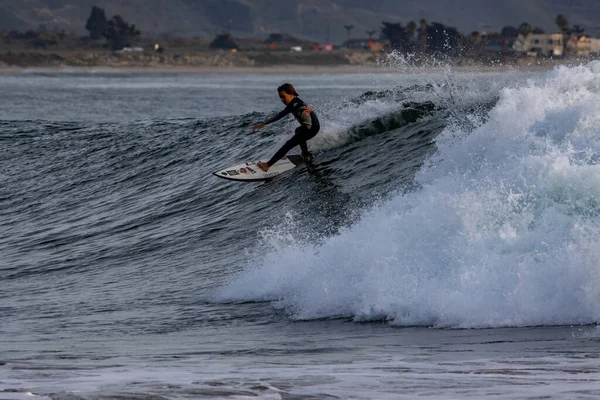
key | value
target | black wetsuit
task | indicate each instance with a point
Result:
(309, 127)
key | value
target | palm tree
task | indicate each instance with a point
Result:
(562, 23)
(348, 29)
(371, 33)
(563, 27)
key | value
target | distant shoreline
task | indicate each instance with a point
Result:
(280, 69)
(308, 62)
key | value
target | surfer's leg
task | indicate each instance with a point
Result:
(283, 151)
(290, 144)
(305, 153)
(307, 135)
(304, 148)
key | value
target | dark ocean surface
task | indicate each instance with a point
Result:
(445, 245)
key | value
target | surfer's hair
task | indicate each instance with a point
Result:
(287, 88)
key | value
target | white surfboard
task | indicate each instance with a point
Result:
(249, 171)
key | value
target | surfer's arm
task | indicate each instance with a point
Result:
(278, 116)
(274, 118)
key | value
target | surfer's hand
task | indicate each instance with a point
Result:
(259, 126)
(308, 109)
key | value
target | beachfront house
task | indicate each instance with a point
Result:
(540, 45)
(594, 46)
(583, 46)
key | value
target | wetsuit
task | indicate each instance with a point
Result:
(309, 127)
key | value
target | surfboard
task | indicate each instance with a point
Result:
(250, 172)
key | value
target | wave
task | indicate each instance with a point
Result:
(504, 229)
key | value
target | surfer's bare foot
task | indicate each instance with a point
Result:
(263, 165)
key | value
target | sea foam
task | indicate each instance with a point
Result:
(504, 229)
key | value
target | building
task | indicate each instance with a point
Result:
(583, 46)
(579, 45)
(540, 45)
(595, 46)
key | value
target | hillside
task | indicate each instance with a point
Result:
(320, 20)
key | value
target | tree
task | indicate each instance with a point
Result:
(525, 29)
(562, 23)
(411, 28)
(96, 23)
(119, 33)
(563, 27)
(348, 29)
(577, 30)
(371, 33)
(509, 31)
(422, 35)
(395, 34)
(443, 39)
(223, 41)
(475, 42)
(538, 31)
(282, 38)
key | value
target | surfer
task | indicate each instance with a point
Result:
(309, 125)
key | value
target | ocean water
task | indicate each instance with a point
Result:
(446, 243)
